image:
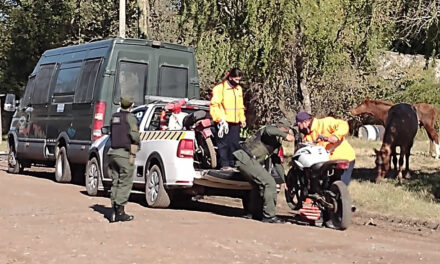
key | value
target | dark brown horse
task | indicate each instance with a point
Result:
(427, 115)
(400, 130)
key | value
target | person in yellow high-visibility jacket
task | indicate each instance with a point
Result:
(227, 110)
(334, 130)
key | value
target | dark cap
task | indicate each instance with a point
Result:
(235, 72)
(283, 122)
(126, 101)
(302, 116)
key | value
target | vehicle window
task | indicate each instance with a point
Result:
(155, 120)
(139, 114)
(26, 98)
(87, 81)
(43, 80)
(131, 81)
(66, 80)
(173, 81)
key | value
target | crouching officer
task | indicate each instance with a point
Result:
(125, 141)
(250, 159)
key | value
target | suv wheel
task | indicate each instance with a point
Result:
(14, 165)
(62, 166)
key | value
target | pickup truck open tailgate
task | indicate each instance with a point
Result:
(222, 180)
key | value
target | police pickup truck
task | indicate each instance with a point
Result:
(165, 166)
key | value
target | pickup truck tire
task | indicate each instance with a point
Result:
(62, 166)
(155, 193)
(92, 176)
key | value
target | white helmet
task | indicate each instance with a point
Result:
(309, 155)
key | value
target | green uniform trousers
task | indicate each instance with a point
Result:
(121, 172)
(263, 184)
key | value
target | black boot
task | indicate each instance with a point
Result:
(113, 214)
(121, 216)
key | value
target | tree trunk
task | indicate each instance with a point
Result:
(307, 103)
(144, 14)
(301, 81)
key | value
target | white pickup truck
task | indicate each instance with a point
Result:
(165, 167)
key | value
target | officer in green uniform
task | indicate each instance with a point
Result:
(250, 159)
(124, 137)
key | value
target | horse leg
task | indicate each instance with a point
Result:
(437, 145)
(394, 157)
(401, 157)
(433, 140)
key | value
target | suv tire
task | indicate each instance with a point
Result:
(62, 166)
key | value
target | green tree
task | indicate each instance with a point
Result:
(29, 39)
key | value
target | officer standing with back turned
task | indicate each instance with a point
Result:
(250, 159)
(124, 143)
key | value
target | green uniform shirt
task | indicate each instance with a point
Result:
(265, 143)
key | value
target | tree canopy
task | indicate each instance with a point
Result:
(296, 54)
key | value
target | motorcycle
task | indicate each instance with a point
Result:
(205, 153)
(314, 187)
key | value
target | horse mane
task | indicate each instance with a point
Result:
(378, 102)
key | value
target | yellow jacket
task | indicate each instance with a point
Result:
(227, 103)
(330, 126)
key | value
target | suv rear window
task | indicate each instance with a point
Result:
(173, 81)
(131, 81)
(42, 84)
(66, 80)
(87, 81)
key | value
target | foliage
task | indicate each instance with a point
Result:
(417, 27)
(27, 39)
(422, 88)
(295, 54)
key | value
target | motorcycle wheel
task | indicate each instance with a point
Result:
(207, 155)
(341, 216)
(293, 192)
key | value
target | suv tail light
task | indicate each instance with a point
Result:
(281, 154)
(343, 165)
(98, 120)
(185, 148)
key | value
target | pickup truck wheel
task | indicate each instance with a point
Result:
(92, 176)
(14, 165)
(62, 166)
(155, 193)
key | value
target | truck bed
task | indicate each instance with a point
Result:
(222, 179)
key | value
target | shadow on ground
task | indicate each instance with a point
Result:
(104, 210)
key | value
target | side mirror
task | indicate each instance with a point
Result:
(105, 130)
(10, 103)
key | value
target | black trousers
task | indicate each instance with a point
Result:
(228, 144)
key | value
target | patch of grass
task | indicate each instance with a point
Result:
(389, 199)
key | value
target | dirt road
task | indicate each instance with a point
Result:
(42, 221)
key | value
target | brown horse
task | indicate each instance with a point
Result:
(377, 108)
(400, 130)
(427, 115)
